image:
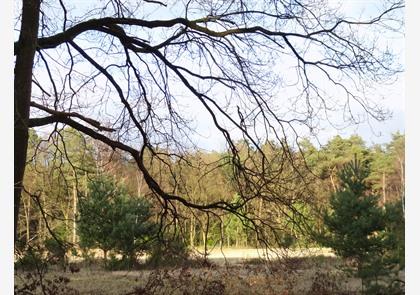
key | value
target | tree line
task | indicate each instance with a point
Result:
(63, 170)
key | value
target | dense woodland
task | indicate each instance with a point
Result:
(63, 168)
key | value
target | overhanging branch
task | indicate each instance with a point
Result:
(55, 114)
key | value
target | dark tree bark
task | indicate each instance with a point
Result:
(22, 94)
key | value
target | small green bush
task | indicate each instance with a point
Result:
(124, 263)
(29, 261)
(169, 252)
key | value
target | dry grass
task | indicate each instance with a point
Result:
(294, 276)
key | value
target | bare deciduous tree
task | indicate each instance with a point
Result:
(143, 76)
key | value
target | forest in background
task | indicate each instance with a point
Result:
(59, 177)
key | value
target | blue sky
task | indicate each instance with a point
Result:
(391, 96)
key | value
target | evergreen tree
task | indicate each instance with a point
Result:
(355, 219)
(357, 229)
(111, 219)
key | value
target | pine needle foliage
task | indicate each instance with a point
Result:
(357, 231)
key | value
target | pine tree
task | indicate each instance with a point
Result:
(356, 219)
(357, 228)
(111, 219)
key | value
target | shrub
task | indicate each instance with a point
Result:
(169, 252)
(114, 263)
(29, 261)
(37, 284)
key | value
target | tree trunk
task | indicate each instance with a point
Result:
(333, 183)
(74, 212)
(204, 238)
(402, 187)
(40, 225)
(22, 94)
(139, 185)
(384, 187)
(402, 177)
(228, 239)
(222, 234)
(260, 206)
(192, 231)
(26, 209)
(237, 237)
(105, 256)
